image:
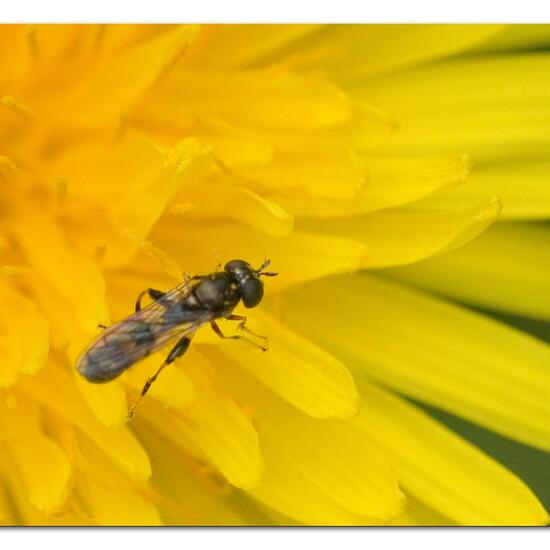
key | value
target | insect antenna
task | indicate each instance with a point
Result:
(266, 273)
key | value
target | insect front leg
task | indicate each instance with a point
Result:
(153, 294)
(242, 325)
(177, 351)
(218, 331)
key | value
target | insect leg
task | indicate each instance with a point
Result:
(178, 350)
(153, 294)
(242, 325)
(218, 331)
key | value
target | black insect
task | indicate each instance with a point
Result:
(178, 313)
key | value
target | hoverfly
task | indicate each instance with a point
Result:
(176, 314)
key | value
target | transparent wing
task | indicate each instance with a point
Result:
(146, 331)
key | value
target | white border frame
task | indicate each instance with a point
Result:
(281, 11)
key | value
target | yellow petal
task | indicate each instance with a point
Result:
(46, 492)
(516, 37)
(55, 390)
(108, 401)
(390, 181)
(45, 247)
(51, 43)
(299, 371)
(242, 45)
(190, 493)
(168, 171)
(220, 429)
(365, 130)
(326, 165)
(97, 178)
(24, 340)
(354, 52)
(307, 166)
(7, 515)
(254, 210)
(107, 86)
(99, 477)
(34, 454)
(505, 269)
(418, 514)
(492, 106)
(16, 63)
(353, 474)
(110, 506)
(405, 235)
(520, 184)
(440, 353)
(299, 257)
(287, 493)
(173, 387)
(109, 40)
(67, 519)
(235, 147)
(18, 509)
(260, 98)
(443, 470)
(290, 493)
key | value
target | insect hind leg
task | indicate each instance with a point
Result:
(218, 331)
(177, 351)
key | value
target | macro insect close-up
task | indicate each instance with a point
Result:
(175, 315)
(395, 372)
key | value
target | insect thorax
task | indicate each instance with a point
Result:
(217, 292)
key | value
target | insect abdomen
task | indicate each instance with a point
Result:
(95, 366)
(117, 349)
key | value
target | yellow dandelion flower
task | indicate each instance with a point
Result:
(131, 154)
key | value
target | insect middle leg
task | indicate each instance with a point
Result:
(177, 351)
(153, 294)
(242, 325)
(218, 331)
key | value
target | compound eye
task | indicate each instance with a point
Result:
(252, 292)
